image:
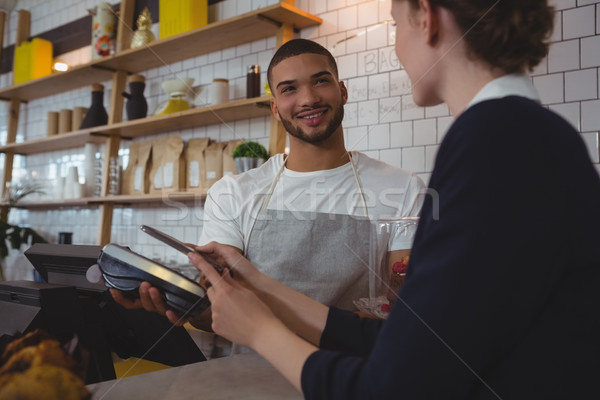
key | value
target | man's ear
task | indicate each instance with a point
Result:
(274, 109)
(429, 22)
(344, 91)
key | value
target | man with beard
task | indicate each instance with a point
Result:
(312, 207)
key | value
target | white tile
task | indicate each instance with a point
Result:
(579, 22)
(368, 112)
(379, 136)
(335, 4)
(368, 62)
(385, 7)
(562, 4)
(258, 45)
(586, 2)
(367, 13)
(347, 66)
(336, 44)
(390, 109)
(379, 86)
(358, 139)
(243, 7)
(329, 24)
(443, 124)
(377, 36)
(590, 52)
(243, 49)
(401, 134)
(356, 41)
(303, 5)
(348, 18)
(392, 157)
(410, 110)
(230, 53)
(256, 4)
(350, 115)
(569, 111)
(590, 115)
(563, 56)
(213, 57)
(413, 159)
(250, 59)
(425, 132)
(235, 68)
(229, 9)
(440, 110)
(550, 88)
(388, 61)
(591, 142)
(399, 83)
(317, 7)
(258, 127)
(581, 85)
(358, 89)
(430, 155)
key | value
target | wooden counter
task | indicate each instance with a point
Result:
(242, 376)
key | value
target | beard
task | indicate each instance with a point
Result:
(318, 136)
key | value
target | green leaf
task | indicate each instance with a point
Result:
(250, 149)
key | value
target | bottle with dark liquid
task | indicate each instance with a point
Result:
(253, 81)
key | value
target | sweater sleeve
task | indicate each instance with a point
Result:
(482, 283)
(345, 331)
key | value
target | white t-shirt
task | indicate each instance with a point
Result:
(233, 203)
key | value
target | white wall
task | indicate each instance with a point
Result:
(381, 118)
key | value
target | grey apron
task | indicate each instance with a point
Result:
(324, 256)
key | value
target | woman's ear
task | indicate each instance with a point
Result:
(429, 22)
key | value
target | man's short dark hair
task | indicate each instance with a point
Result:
(295, 47)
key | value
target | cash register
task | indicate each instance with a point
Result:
(68, 304)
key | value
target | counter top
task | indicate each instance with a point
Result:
(241, 376)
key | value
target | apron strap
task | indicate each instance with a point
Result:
(359, 183)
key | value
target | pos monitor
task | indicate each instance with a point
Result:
(102, 325)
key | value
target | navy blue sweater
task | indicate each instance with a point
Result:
(502, 296)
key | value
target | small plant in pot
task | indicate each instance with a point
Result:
(13, 236)
(249, 155)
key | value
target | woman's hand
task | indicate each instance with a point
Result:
(231, 257)
(237, 312)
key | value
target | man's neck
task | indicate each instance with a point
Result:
(308, 157)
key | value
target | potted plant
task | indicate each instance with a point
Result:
(248, 155)
(14, 235)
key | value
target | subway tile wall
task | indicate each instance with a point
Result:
(381, 118)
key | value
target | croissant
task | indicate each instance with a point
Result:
(37, 367)
(44, 382)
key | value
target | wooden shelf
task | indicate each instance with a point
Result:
(118, 200)
(194, 117)
(255, 25)
(51, 143)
